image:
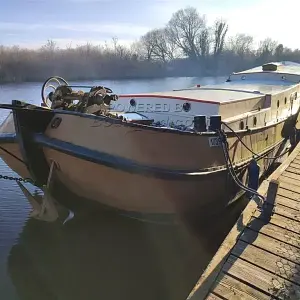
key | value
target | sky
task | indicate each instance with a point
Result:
(30, 23)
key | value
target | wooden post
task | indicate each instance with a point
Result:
(268, 206)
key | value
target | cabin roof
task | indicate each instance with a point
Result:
(221, 93)
(238, 88)
(285, 67)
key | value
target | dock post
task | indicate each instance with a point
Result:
(270, 199)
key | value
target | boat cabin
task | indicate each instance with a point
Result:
(249, 99)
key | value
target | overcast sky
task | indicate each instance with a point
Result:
(32, 23)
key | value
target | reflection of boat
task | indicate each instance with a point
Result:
(158, 152)
(105, 257)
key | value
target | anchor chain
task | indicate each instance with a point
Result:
(20, 179)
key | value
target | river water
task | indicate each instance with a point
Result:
(100, 255)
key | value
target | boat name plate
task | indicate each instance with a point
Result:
(214, 141)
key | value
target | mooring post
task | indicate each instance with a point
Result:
(270, 199)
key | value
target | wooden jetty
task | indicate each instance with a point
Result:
(260, 257)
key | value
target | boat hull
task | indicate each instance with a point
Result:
(142, 195)
(136, 192)
(121, 165)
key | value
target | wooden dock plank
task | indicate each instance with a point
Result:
(296, 160)
(292, 184)
(230, 288)
(295, 165)
(295, 177)
(281, 246)
(276, 232)
(287, 212)
(282, 221)
(263, 280)
(288, 187)
(293, 170)
(214, 297)
(268, 261)
(287, 193)
(291, 203)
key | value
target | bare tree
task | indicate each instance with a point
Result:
(50, 46)
(159, 46)
(267, 47)
(137, 50)
(164, 48)
(204, 43)
(147, 45)
(279, 52)
(183, 30)
(241, 44)
(220, 31)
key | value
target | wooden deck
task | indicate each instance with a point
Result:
(260, 257)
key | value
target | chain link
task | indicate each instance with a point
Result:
(15, 178)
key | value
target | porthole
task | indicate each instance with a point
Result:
(186, 106)
(242, 125)
(243, 77)
(254, 121)
(283, 77)
(285, 100)
(55, 123)
(278, 103)
(132, 102)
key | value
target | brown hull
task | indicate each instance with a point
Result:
(136, 193)
(209, 187)
(123, 152)
(157, 147)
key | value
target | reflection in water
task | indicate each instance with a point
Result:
(100, 257)
(105, 256)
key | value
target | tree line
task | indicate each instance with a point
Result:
(186, 46)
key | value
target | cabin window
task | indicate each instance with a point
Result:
(242, 125)
(243, 77)
(254, 121)
(132, 102)
(186, 106)
(285, 100)
(278, 103)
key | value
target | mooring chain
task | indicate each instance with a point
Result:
(15, 178)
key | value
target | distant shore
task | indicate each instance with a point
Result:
(185, 47)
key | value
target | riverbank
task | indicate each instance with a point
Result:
(83, 63)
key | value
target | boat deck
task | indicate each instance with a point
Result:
(222, 93)
(282, 68)
(260, 257)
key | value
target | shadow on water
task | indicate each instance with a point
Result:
(101, 255)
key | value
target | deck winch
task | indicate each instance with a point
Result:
(64, 96)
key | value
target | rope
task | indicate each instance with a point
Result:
(254, 154)
(230, 167)
(14, 156)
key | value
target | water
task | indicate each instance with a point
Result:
(99, 255)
